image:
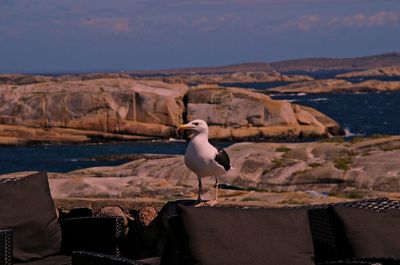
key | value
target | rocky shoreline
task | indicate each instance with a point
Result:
(119, 108)
(336, 86)
(264, 173)
(238, 77)
(382, 71)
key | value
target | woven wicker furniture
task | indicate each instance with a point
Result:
(96, 234)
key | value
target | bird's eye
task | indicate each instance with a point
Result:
(195, 123)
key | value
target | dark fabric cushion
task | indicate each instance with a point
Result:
(52, 260)
(369, 233)
(26, 207)
(233, 236)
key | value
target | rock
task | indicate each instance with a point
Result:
(324, 64)
(331, 125)
(234, 68)
(315, 86)
(18, 135)
(24, 79)
(236, 77)
(21, 79)
(83, 109)
(253, 115)
(382, 71)
(115, 106)
(336, 86)
(371, 164)
(376, 85)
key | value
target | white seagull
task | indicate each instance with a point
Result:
(204, 159)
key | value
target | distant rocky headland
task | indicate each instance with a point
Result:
(354, 63)
(375, 72)
(306, 64)
(336, 86)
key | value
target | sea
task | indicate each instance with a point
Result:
(360, 114)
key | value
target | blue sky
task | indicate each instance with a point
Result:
(79, 35)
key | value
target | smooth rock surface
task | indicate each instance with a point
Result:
(362, 166)
(249, 114)
(115, 106)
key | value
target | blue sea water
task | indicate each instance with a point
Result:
(64, 158)
(360, 114)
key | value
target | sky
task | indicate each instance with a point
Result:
(55, 36)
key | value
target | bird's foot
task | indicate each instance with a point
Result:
(200, 204)
(206, 203)
(212, 203)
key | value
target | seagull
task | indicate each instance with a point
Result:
(204, 159)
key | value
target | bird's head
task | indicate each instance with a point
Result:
(195, 126)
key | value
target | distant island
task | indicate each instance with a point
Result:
(355, 63)
(305, 64)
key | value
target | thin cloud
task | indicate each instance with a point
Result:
(380, 19)
(304, 24)
(359, 20)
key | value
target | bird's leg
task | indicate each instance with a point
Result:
(199, 191)
(215, 201)
(216, 189)
(199, 201)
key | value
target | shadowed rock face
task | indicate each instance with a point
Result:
(123, 107)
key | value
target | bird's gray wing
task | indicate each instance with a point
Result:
(222, 158)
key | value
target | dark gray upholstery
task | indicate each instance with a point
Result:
(28, 209)
(52, 260)
(369, 233)
(229, 236)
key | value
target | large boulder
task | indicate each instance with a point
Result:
(240, 113)
(108, 105)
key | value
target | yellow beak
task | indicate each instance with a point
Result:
(185, 127)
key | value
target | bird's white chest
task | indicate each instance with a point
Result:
(199, 158)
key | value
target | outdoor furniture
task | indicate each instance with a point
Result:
(32, 234)
(265, 236)
(366, 230)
